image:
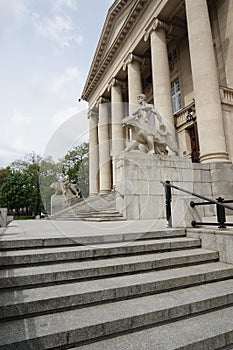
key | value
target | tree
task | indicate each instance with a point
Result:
(31, 167)
(4, 173)
(50, 172)
(75, 164)
(16, 191)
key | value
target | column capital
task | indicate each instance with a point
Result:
(130, 58)
(157, 24)
(102, 99)
(114, 81)
(92, 113)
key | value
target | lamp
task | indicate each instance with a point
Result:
(191, 115)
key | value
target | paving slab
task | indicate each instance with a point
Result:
(48, 229)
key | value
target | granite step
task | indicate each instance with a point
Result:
(46, 255)
(90, 214)
(67, 271)
(90, 218)
(53, 298)
(73, 327)
(90, 238)
(212, 330)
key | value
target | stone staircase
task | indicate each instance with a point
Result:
(96, 208)
(161, 291)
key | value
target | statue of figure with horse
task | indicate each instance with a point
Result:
(151, 135)
(68, 189)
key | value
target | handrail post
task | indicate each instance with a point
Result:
(221, 216)
(168, 196)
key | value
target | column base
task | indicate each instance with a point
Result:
(215, 157)
(93, 194)
(104, 191)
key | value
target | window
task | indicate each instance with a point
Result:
(172, 55)
(176, 96)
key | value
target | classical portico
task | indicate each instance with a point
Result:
(167, 51)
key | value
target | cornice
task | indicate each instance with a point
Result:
(97, 68)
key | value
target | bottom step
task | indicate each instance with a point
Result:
(211, 331)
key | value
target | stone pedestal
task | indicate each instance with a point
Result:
(4, 218)
(138, 182)
(141, 195)
(60, 203)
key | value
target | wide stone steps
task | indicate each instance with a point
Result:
(96, 208)
(44, 274)
(88, 239)
(54, 254)
(208, 331)
(89, 216)
(113, 291)
(63, 296)
(72, 327)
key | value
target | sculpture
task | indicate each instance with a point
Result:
(66, 188)
(69, 189)
(150, 133)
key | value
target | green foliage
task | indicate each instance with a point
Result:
(49, 172)
(25, 184)
(4, 173)
(20, 189)
(76, 165)
(16, 191)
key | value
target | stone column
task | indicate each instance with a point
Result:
(93, 153)
(117, 112)
(104, 147)
(157, 31)
(206, 85)
(133, 63)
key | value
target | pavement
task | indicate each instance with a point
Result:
(32, 229)
(45, 229)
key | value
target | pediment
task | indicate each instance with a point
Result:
(120, 19)
(117, 25)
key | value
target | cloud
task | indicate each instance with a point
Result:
(60, 5)
(18, 119)
(58, 29)
(60, 117)
(14, 136)
(12, 15)
(71, 74)
(71, 129)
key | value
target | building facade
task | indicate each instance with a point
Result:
(179, 53)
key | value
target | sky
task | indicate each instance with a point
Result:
(46, 49)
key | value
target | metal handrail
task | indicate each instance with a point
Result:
(167, 183)
(220, 206)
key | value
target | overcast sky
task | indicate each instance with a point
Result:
(47, 48)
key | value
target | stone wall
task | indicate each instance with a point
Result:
(141, 195)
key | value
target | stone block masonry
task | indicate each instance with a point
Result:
(138, 177)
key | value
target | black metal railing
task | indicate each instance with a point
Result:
(220, 203)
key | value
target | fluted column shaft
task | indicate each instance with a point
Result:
(117, 113)
(104, 148)
(205, 81)
(93, 154)
(133, 63)
(157, 32)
